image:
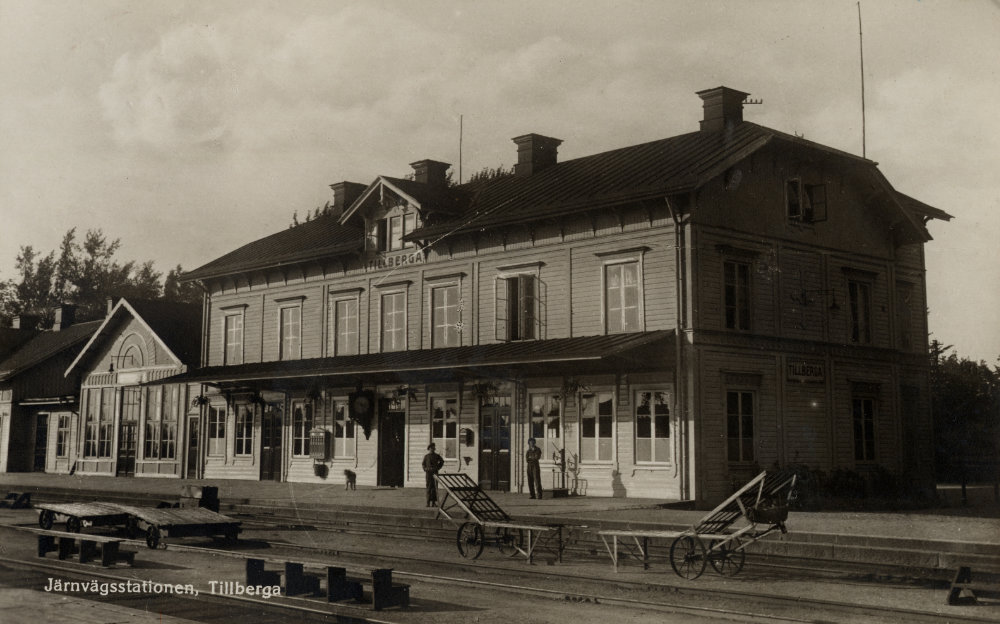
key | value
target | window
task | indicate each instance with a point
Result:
(234, 339)
(805, 202)
(859, 294)
(446, 317)
(516, 299)
(62, 435)
(104, 425)
(652, 427)
(597, 419)
(621, 297)
(444, 426)
(863, 412)
(409, 224)
(737, 295)
(302, 423)
(739, 426)
(91, 423)
(546, 422)
(394, 321)
(216, 430)
(389, 232)
(160, 440)
(342, 332)
(343, 431)
(244, 430)
(291, 332)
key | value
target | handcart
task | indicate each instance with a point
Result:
(159, 523)
(78, 515)
(720, 539)
(486, 523)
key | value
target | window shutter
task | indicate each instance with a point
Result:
(502, 332)
(526, 306)
(381, 235)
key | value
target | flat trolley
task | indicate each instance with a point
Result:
(78, 515)
(486, 523)
(755, 511)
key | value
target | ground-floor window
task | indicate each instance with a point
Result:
(99, 423)
(244, 430)
(739, 425)
(444, 426)
(652, 427)
(302, 423)
(863, 409)
(343, 430)
(597, 420)
(161, 423)
(62, 435)
(216, 430)
(546, 422)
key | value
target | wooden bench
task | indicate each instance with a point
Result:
(298, 582)
(86, 547)
(385, 593)
(963, 583)
(640, 538)
(257, 575)
(340, 587)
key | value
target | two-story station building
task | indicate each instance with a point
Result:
(664, 319)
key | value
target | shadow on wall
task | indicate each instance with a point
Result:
(617, 487)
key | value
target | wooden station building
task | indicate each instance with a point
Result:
(665, 319)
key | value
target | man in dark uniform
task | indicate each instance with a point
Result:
(531, 457)
(432, 463)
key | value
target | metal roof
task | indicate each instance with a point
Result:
(636, 350)
(44, 346)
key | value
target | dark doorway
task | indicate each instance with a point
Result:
(128, 432)
(193, 448)
(494, 443)
(41, 442)
(391, 442)
(270, 444)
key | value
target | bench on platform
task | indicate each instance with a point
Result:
(258, 575)
(385, 593)
(963, 583)
(298, 582)
(340, 587)
(86, 547)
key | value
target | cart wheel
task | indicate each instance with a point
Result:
(687, 556)
(509, 541)
(132, 528)
(727, 557)
(45, 519)
(153, 537)
(470, 540)
(73, 524)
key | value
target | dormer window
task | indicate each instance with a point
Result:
(805, 203)
(389, 232)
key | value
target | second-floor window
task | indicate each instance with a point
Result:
(291, 332)
(805, 203)
(446, 317)
(389, 232)
(234, 339)
(860, 300)
(343, 328)
(393, 322)
(516, 307)
(737, 295)
(621, 297)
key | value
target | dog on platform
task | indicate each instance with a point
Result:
(350, 480)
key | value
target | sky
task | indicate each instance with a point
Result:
(189, 128)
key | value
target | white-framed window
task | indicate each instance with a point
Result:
(160, 438)
(864, 414)
(597, 426)
(805, 203)
(393, 325)
(446, 316)
(740, 410)
(444, 425)
(302, 424)
(290, 323)
(216, 430)
(546, 422)
(344, 445)
(244, 430)
(389, 232)
(62, 435)
(652, 426)
(100, 423)
(736, 284)
(623, 296)
(518, 313)
(343, 329)
(859, 295)
(91, 422)
(233, 332)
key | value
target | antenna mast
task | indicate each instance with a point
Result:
(460, 149)
(861, 43)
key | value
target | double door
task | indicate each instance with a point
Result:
(270, 444)
(128, 431)
(494, 444)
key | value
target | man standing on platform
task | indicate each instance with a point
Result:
(531, 457)
(432, 463)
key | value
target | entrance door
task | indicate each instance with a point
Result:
(270, 444)
(41, 442)
(494, 443)
(193, 448)
(391, 442)
(128, 432)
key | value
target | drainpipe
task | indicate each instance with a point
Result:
(680, 443)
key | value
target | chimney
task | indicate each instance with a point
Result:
(64, 316)
(344, 194)
(535, 153)
(723, 108)
(25, 321)
(431, 172)
(111, 305)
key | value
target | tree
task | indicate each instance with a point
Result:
(175, 290)
(34, 290)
